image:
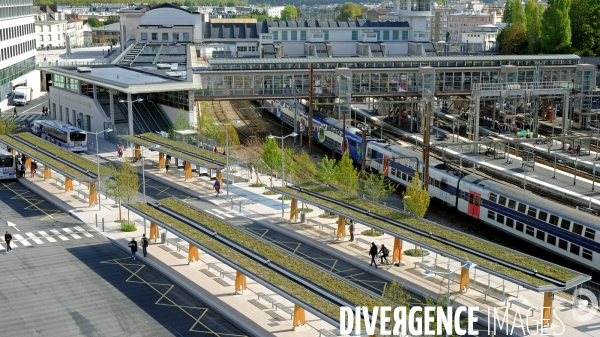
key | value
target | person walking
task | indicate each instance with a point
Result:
(373, 253)
(167, 163)
(7, 239)
(144, 245)
(351, 229)
(217, 187)
(133, 246)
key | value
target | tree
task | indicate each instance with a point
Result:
(271, 157)
(111, 19)
(124, 184)
(507, 16)
(8, 125)
(305, 169)
(326, 171)
(533, 19)
(585, 25)
(418, 200)
(518, 15)
(346, 175)
(376, 186)
(514, 40)
(289, 13)
(94, 22)
(348, 11)
(556, 27)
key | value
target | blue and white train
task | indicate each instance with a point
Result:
(562, 230)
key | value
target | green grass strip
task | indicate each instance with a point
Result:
(282, 258)
(186, 147)
(284, 284)
(59, 151)
(172, 152)
(438, 230)
(48, 161)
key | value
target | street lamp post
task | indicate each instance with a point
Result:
(98, 164)
(293, 134)
(227, 147)
(429, 273)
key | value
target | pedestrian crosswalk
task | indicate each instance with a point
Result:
(51, 236)
(222, 213)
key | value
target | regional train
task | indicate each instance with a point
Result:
(560, 229)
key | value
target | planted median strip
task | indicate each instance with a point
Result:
(60, 152)
(286, 285)
(185, 147)
(282, 258)
(487, 247)
(46, 160)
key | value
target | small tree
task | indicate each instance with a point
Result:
(346, 175)
(271, 158)
(8, 125)
(376, 186)
(418, 200)
(305, 168)
(124, 184)
(326, 171)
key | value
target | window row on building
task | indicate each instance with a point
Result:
(164, 37)
(17, 49)
(16, 31)
(13, 11)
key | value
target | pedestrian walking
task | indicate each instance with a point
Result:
(7, 239)
(33, 168)
(144, 245)
(133, 246)
(167, 163)
(217, 187)
(351, 229)
(373, 253)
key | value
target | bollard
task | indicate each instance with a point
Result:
(241, 206)
(96, 220)
(103, 224)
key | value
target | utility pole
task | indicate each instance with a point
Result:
(426, 131)
(310, 108)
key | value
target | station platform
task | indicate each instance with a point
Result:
(254, 205)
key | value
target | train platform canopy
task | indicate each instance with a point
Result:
(504, 263)
(189, 153)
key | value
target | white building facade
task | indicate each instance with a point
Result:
(17, 47)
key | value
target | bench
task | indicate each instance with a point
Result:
(326, 333)
(518, 303)
(267, 298)
(215, 267)
(287, 310)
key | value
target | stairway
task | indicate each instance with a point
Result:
(132, 54)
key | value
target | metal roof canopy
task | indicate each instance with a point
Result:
(236, 266)
(27, 152)
(187, 148)
(540, 289)
(297, 60)
(166, 149)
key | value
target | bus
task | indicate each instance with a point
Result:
(61, 134)
(8, 165)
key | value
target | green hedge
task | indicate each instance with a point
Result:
(60, 152)
(49, 161)
(282, 258)
(284, 284)
(172, 152)
(479, 244)
(186, 147)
